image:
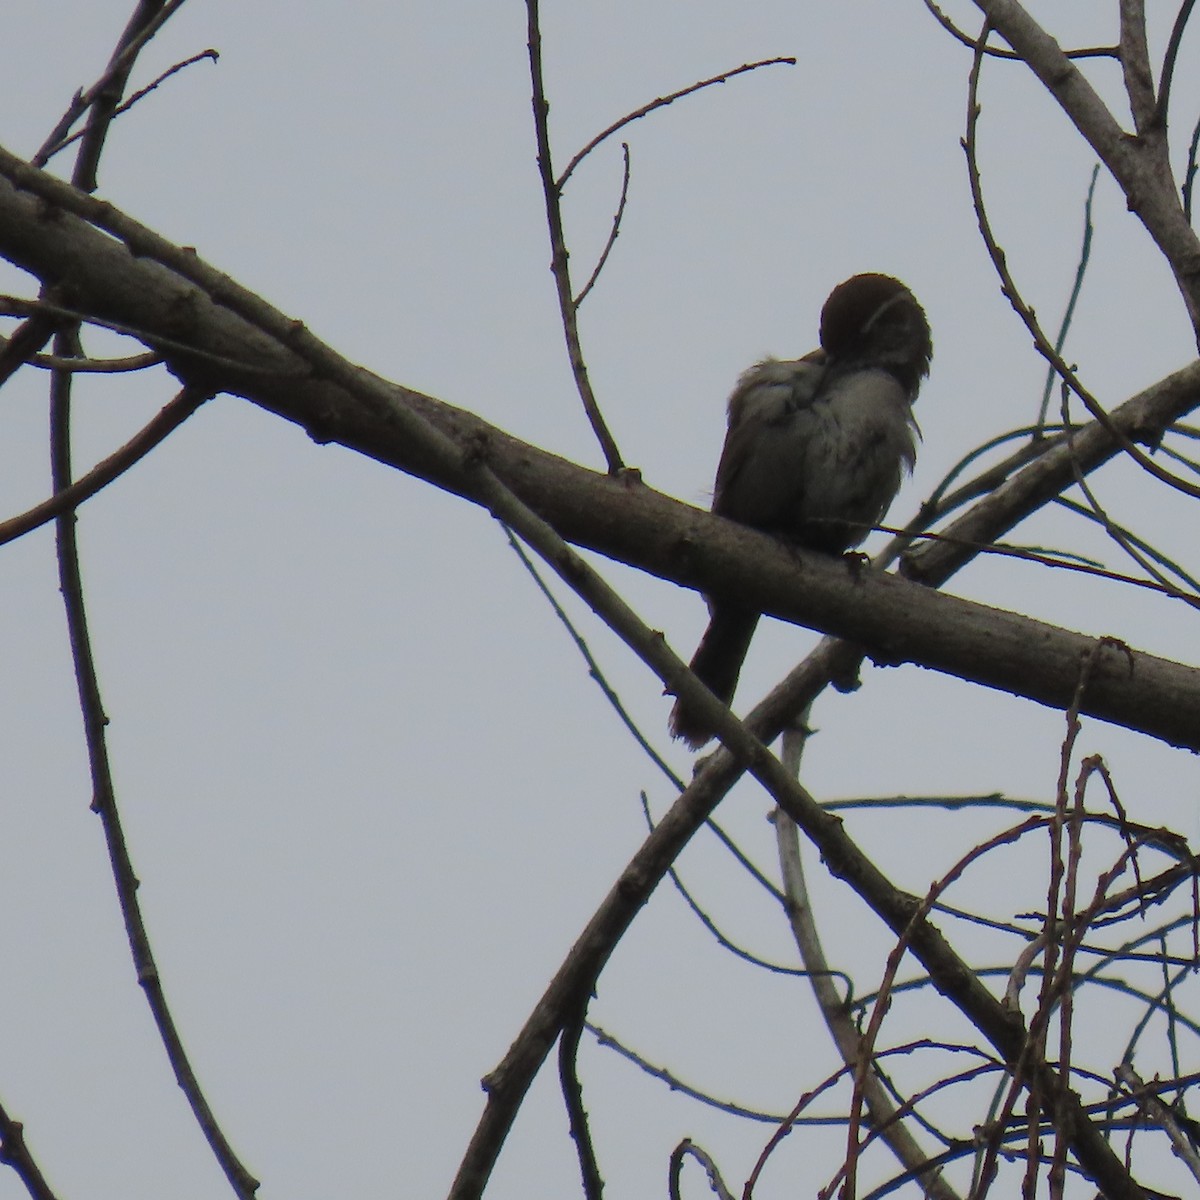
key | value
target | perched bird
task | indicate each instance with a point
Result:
(815, 451)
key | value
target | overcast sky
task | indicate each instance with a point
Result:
(371, 792)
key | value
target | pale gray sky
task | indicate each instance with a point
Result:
(371, 792)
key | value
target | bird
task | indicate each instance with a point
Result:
(815, 452)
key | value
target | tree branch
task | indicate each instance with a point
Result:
(169, 418)
(289, 372)
(568, 306)
(1140, 166)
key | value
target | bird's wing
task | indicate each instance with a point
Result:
(769, 395)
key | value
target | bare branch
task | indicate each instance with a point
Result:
(15, 1152)
(998, 52)
(1181, 1145)
(1135, 64)
(1085, 254)
(662, 102)
(609, 1042)
(25, 342)
(688, 1148)
(141, 94)
(559, 265)
(17, 306)
(1169, 58)
(104, 799)
(613, 233)
(101, 475)
(568, 1074)
(97, 366)
(834, 1012)
(148, 18)
(342, 401)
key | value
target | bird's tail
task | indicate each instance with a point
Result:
(718, 662)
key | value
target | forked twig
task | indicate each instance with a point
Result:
(559, 265)
(140, 94)
(148, 18)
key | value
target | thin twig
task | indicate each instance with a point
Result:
(559, 264)
(104, 801)
(609, 1042)
(24, 343)
(1085, 254)
(1147, 554)
(612, 234)
(998, 52)
(1170, 55)
(97, 366)
(834, 1011)
(103, 473)
(18, 306)
(572, 1091)
(1117, 534)
(1159, 584)
(699, 913)
(1189, 174)
(148, 18)
(688, 1148)
(662, 102)
(141, 94)
(1182, 1145)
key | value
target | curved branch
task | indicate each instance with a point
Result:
(846, 1038)
(997, 52)
(572, 1090)
(103, 473)
(662, 102)
(613, 233)
(148, 16)
(1169, 59)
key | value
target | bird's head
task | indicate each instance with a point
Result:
(875, 321)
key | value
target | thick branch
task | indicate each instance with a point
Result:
(896, 621)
